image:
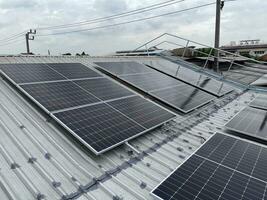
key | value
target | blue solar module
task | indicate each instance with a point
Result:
(59, 95)
(250, 121)
(74, 70)
(223, 168)
(28, 73)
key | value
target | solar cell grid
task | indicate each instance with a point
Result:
(233, 175)
(59, 95)
(142, 111)
(74, 70)
(100, 126)
(250, 121)
(183, 97)
(211, 85)
(150, 82)
(122, 68)
(163, 87)
(260, 102)
(27, 73)
(104, 88)
(78, 105)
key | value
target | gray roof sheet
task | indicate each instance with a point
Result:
(38, 159)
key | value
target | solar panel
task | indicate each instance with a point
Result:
(183, 73)
(104, 88)
(223, 168)
(142, 111)
(122, 68)
(150, 82)
(250, 121)
(260, 102)
(74, 70)
(97, 111)
(27, 73)
(183, 97)
(167, 89)
(102, 126)
(99, 126)
(59, 95)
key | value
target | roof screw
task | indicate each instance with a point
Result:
(14, 166)
(48, 156)
(116, 197)
(40, 196)
(148, 164)
(22, 126)
(143, 185)
(56, 184)
(32, 160)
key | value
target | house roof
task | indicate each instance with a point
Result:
(38, 159)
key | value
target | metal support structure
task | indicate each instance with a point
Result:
(217, 35)
(207, 60)
(186, 46)
(28, 37)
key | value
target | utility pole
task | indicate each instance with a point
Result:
(28, 37)
(219, 7)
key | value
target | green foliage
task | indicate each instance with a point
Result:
(204, 52)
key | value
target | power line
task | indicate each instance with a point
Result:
(128, 22)
(12, 37)
(9, 43)
(115, 16)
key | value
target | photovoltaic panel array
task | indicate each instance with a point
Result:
(106, 125)
(28, 73)
(169, 90)
(59, 95)
(223, 168)
(250, 121)
(260, 102)
(96, 110)
(74, 70)
(190, 76)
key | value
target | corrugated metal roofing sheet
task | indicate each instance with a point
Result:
(38, 159)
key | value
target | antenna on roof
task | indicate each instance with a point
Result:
(29, 37)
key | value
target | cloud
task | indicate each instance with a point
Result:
(17, 4)
(237, 23)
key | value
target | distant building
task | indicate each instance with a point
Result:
(247, 47)
(141, 52)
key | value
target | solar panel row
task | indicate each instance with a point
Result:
(62, 95)
(165, 88)
(42, 72)
(183, 73)
(223, 168)
(97, 111)
(260, 102)
(106, 125)
(250, 121)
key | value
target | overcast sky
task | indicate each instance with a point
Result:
(242, 19)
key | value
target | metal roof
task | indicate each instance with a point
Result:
(39, 160)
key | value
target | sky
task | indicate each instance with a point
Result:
(241, 19)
